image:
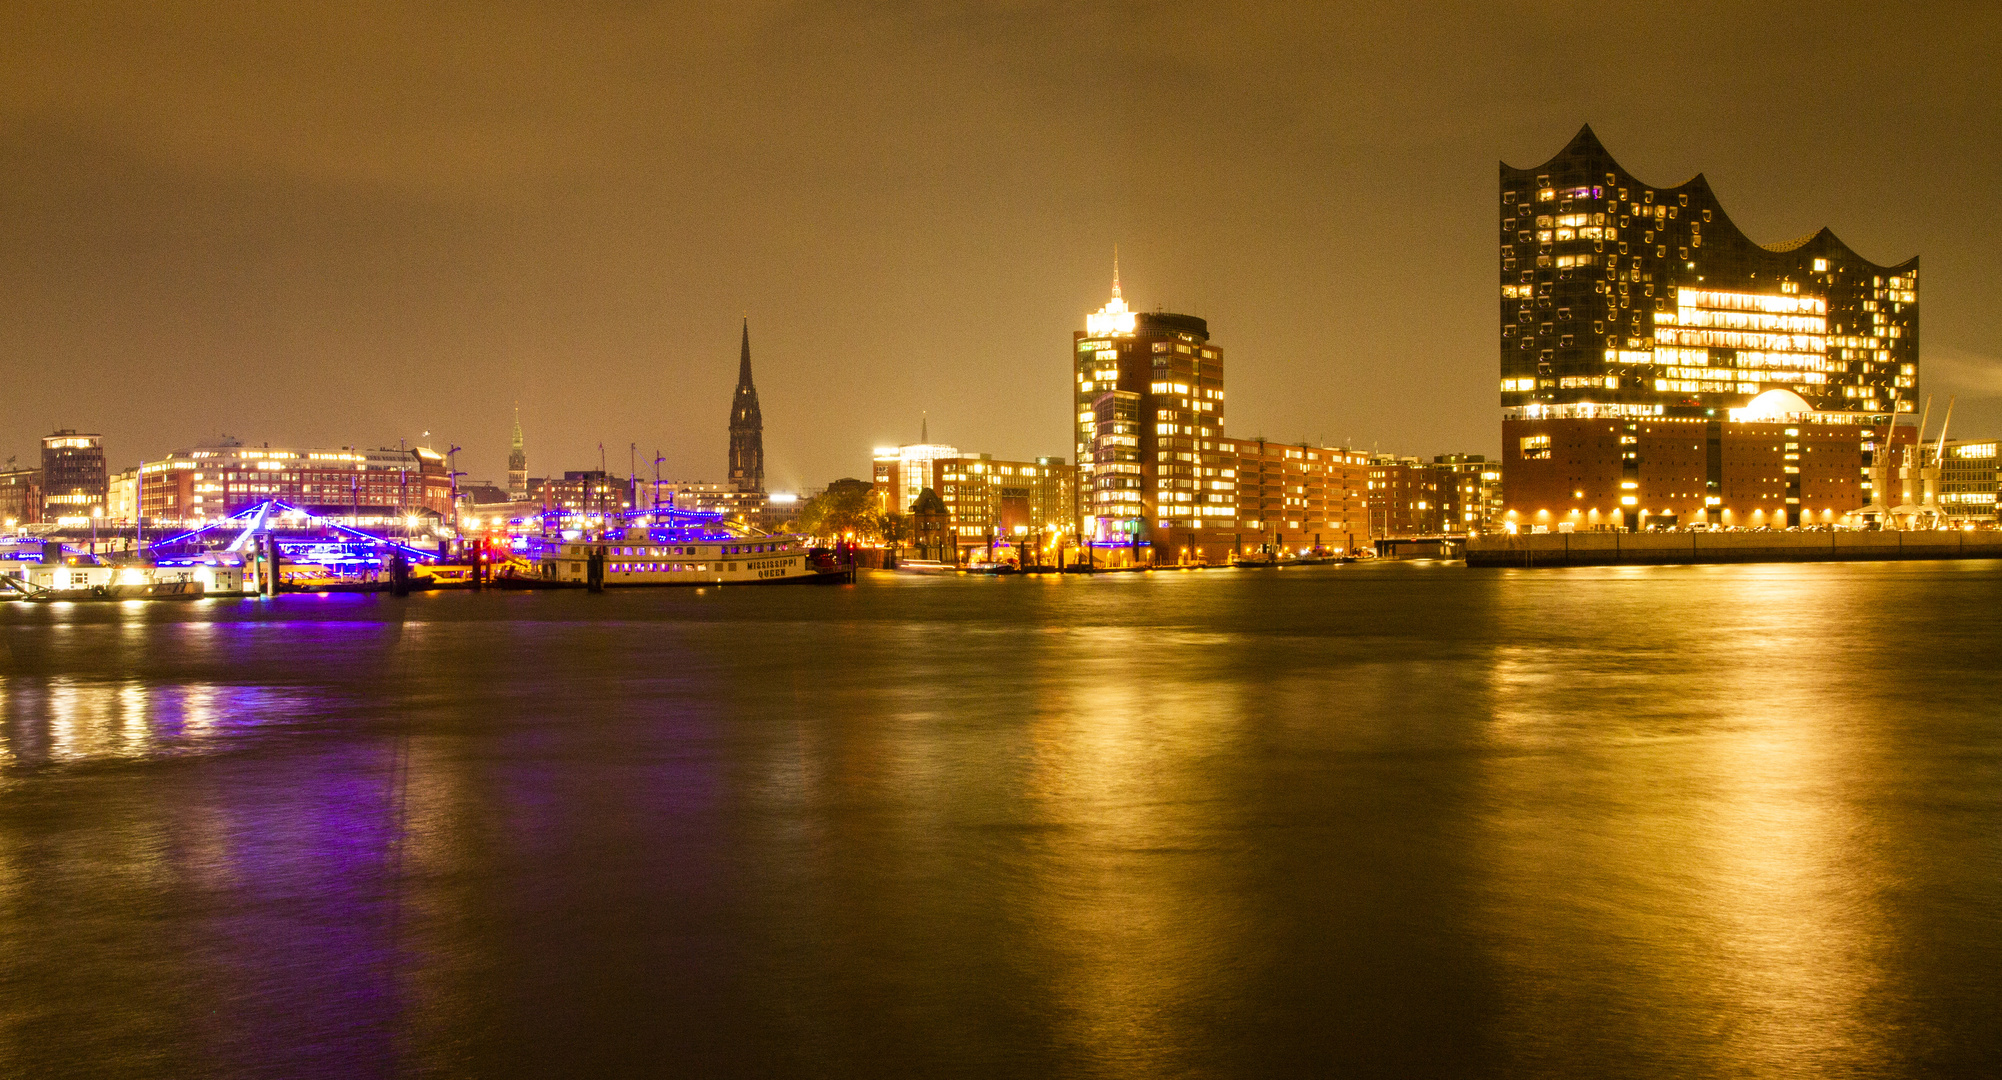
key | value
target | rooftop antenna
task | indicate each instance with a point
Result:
(1115, 271)
(924, 422)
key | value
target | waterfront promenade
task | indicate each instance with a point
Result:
(1658, 548)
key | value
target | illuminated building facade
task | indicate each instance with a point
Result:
(985, 502)
(1404, 497)
(75, 483)
(1621, 472)
(20, 497)
(1149, 415)
(121, 500)
(1470, 493)
(587, 492)
(361, 487)
(903, 472)
(1289, 497)
(1644, 316)
(517, 463)
(1157, 478)
(1008, 503)
(1456, 494)
(755, 508)
(1968, 481)
(1615, 293)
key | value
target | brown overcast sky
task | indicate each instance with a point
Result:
(335, 223)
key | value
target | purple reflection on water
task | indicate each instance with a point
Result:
(300, 930)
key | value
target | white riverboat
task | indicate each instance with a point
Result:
(684, 549)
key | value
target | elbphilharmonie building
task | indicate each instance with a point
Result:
(1616, 293)
(1657, 363)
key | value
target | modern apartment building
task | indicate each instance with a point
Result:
(1289, 497)
(1470, 491)
(1404, 497)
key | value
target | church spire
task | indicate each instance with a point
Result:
(747, 426)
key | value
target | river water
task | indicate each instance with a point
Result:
(1390, 820)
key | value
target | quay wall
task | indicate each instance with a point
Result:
(1612, 548)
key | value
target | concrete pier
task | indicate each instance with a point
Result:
(1613, 548)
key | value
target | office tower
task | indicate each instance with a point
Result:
(1149, 417)
(75, 482)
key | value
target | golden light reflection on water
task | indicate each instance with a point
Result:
(1125, 897)
(1700, 885)
(1607, 826)
(67, 720)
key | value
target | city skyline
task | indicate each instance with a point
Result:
(484, 248)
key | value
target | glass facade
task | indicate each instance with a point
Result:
(1621, 299)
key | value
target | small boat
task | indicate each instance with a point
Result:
(926, 566)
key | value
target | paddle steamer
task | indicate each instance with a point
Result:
(681, 548)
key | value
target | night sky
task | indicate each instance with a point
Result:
(342, 224)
